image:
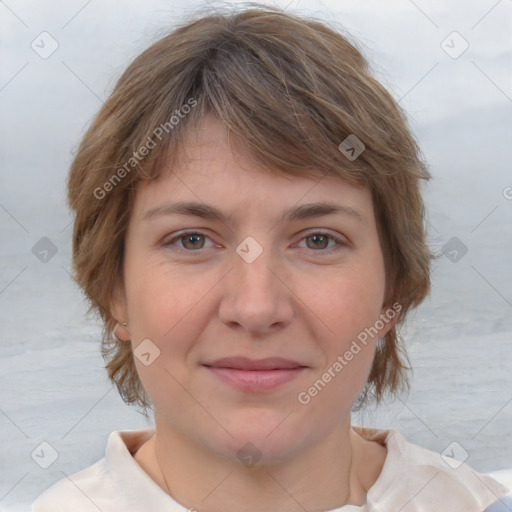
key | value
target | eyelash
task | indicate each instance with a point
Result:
(342, 243)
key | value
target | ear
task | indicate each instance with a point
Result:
(389, 316)
(119, 311)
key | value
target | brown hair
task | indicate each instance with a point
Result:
(291, 89)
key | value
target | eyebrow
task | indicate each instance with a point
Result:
(205, 211)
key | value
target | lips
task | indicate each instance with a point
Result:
(244, 363)
(255, 375)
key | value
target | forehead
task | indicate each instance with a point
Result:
(215, 168)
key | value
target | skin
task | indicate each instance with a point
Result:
(303, 299)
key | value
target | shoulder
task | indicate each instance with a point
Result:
(414, 477)
(79, 491)
(107, 485)
(504, 503)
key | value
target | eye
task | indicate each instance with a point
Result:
(194, 241)
(320, 240)
(190, 240)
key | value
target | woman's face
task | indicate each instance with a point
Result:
(259, 283)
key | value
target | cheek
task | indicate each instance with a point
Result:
(162, 299)
(350, 306)
(166, 306)
(351, 301)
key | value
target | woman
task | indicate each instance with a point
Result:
(249, 226)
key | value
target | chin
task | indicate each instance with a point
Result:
(263, 452)
(265, 437)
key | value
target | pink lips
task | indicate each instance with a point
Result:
(255, 374)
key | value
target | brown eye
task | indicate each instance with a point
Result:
(193, 241)
(319, 241)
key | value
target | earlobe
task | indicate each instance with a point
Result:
(388, 319)
(118, 311)
(121, 332)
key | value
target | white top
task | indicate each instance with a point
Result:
(413, 479)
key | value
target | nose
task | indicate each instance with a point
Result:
(256, 297)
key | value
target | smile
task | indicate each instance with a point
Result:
(255, 375)
(256, 380)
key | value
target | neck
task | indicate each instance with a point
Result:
(336, 471)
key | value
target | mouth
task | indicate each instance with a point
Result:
(255, 375)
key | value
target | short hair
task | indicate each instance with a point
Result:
(291, 89)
